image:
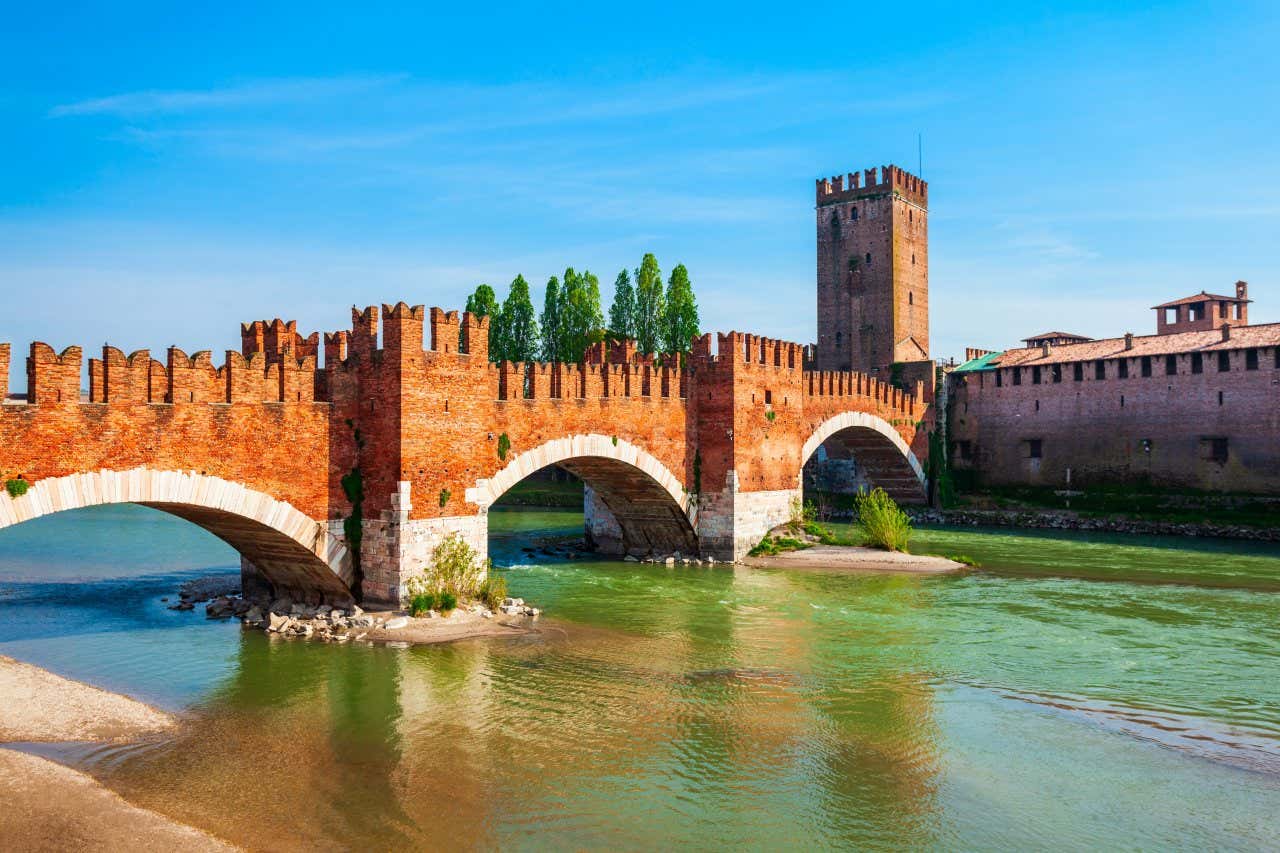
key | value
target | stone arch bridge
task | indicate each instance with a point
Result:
(338, 480)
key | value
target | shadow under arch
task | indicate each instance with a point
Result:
(634, 504)
(878, 448)
(292, 551)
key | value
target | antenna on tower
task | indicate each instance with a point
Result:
(920, 155)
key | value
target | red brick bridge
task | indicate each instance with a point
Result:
(339, 480)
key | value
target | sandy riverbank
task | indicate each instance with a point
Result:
(462, 624)
(50, 807)
(855, 560)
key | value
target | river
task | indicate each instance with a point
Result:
(1079, 691)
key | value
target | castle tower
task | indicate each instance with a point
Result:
(873, 270)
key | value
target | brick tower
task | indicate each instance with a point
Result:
(873, 270)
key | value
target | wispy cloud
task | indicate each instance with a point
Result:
(250, 94)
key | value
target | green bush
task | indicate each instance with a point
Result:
(493, 590)
(16, 487)
(771, 545)
(455, 569)
(884, 524)
(448, 601)
(421, 603)
(504, 447)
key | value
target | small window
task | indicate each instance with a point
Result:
(1056, 372)
(1277, 354)
(1171, 365)
(913, 259)
(1077, 371)
(1214, 449)
(868, 258)
(1037, 405)
(999, 378)
(853, 213)
(839, 339)
(1017, 376)
(1099, 369)
(1239, 310)
(1034, 448)
(911, 216)
(1251, 359)
(1146, 365)
(1197, 363)
(911, 297)
(1222, 310)
(1224, 362)
(768, 398)
(1035, 375)
(1170, 316)
(1122, 368)
(1219, 398)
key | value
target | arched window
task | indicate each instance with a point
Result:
(839, 339)
(853, 212)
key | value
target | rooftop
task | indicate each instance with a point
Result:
(1199, 297)
(1242, 337)
(1058, 335)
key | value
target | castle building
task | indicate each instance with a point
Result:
(873, 270)
(1194, 406)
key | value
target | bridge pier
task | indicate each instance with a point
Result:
(731, 521)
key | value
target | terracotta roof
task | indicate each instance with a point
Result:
(1199, 297)
(1242, 337)
(1058, 335)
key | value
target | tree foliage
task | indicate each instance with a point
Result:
(649, 305)
(552, 333)
(680, 312)
(622, 313)
(519, 336)
(484, 303)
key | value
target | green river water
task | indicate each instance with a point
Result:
(1077, 692)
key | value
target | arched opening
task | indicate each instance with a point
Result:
(284, 549)
(854, 452)
(631, 503)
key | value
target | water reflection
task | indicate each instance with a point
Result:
(698, 707)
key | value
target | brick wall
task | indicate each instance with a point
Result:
(1159, 428)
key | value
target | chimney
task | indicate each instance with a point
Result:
(1242, 290)
(1226, 331)
(1045, 349)
(1128, 340)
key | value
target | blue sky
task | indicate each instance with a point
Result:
(169, 172)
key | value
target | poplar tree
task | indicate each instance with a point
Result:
(519, 325)
(580, 314)
(680, 313)
(484, 303)
(649, 301)
(622, 313)
(551, 321)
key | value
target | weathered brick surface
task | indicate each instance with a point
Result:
(873, 270)
(1159, 428)
(707, 455)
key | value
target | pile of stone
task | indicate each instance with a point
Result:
(671, 559)
(288, 619)
(517, 607)
(560, 549)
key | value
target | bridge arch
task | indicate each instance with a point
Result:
(879, 448)
(635, 504)
(292, 551)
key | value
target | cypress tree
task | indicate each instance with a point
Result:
(649, 301)
(680, 312)
(519, 325)
(484, 303)
(551, 321)
(622, 313)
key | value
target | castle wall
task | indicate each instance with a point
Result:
(1159, 428)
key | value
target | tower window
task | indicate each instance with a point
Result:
(1035, 448)
(1035, 377)
(1224, 362)
(1146, 365)
(1077, 371)
(853, 213)
(1170, 365)
(1017, 376)
(911, 297)
(1197, 363)
(913, 259)
(1122, 368)
(1251, 359)
(868, 258)
(1099, 369)
(839, 339)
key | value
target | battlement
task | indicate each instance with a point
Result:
(847, 383)
(872, 182)
(517, 380)
(277, 338)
